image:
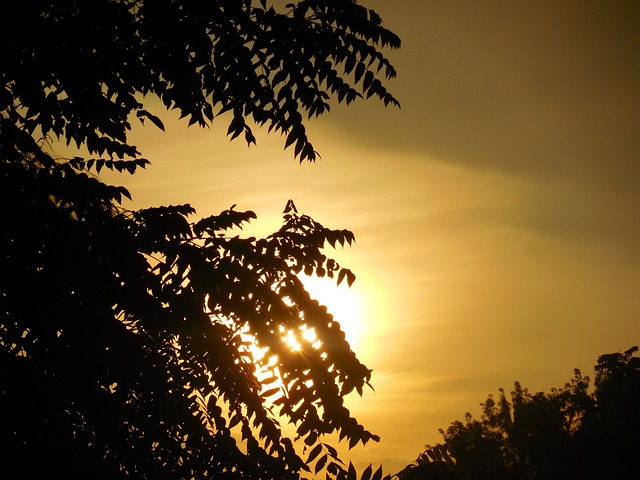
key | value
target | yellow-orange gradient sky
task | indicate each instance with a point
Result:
(497, 214)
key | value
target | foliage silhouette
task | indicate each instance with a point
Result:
(143, 343)
(565, 433)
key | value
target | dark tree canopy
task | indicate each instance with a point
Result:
(562, 434)
(79, 69)
(149, 344)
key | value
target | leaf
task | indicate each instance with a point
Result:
(349, 64)
(366, 475)
(352, 475)
(331, 238)
(235, 420)
(360, 69)
(321, 463)
(271, 392)
(378, 474)
(349, 237)
(311, 438)
(308, 153)
(124, 192)
(300, 143)
(368, 80)
(314, 453)
(248, 136)
(236, 127)
(142, 114)
(293, 136)
(334, 469)
(290, 207)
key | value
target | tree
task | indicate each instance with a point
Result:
(143, 343)
(610, 432)
(563, 433)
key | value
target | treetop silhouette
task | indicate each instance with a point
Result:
(567, 432)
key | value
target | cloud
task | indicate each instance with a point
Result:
(545, 89)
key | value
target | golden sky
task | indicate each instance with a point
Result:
(497, 214)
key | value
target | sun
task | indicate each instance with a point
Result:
(343, 302)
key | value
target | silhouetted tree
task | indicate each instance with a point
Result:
(610, 433)
(142, 343)
(565, 433)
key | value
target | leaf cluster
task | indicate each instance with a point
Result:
(87, 71)
(435, 463)
(177, 328)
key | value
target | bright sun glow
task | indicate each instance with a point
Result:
(293, 342)
(342, 302)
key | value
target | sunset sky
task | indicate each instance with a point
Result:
(497, 213)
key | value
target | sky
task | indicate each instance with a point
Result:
(496, 214)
